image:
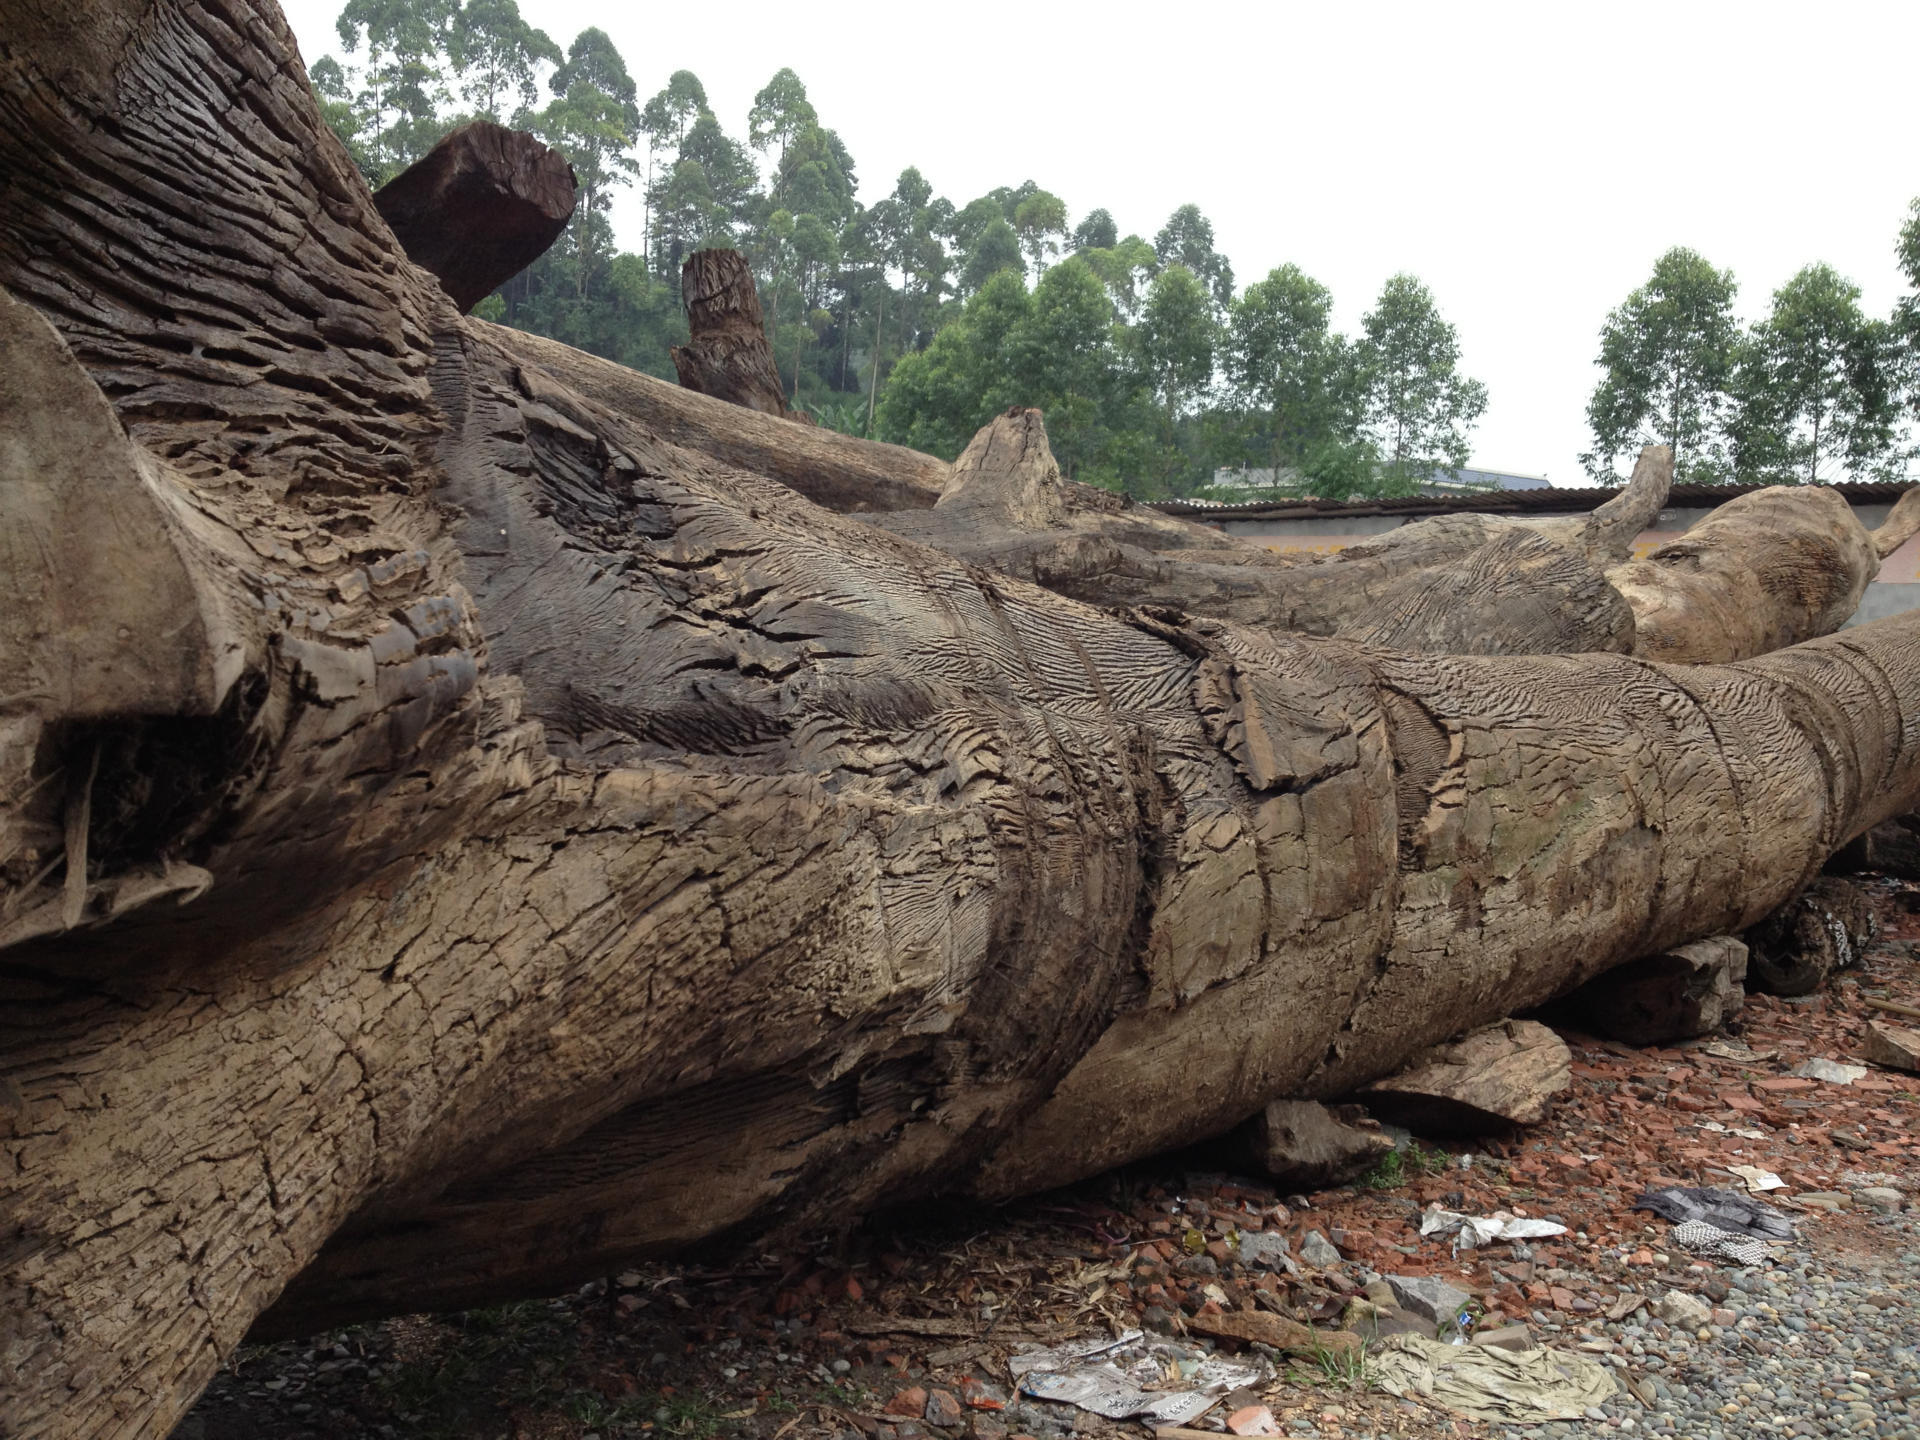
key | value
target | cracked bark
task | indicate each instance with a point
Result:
(517, 838)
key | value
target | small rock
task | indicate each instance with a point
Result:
(1831, 1071)
(1506, 1337)
(1430, 1299)
(1829, 1200)
(1262, 1248)
(1892, 1046)
(1883, 1198)
(1689, 1312)
(1318, 1251)
(943, 1409)
(1252, 1420)
(911, 1401)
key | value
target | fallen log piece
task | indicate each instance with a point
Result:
(1893, 1046)
(592, 849)
(479, 207)
(1263, 1327)
(1304, 1145)
(1464, 584)
(727, 356)
(1891, 848)
(1683, 992)
(1493, 1079)
(837, 471)
(1763, 571)
(1825, 928)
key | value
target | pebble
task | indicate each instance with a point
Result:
(1817, 1346)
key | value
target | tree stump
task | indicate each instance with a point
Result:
(728, 355)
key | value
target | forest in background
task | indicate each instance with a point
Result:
(914, 319)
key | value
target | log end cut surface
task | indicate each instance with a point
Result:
(479, 207)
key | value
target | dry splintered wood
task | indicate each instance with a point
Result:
(510, 834)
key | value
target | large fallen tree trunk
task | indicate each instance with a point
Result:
(453, 838)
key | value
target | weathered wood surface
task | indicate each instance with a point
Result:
(1763, 571)
(834, 470)
(590, 847)
(1465, 584)
(1826, 927)
(1493, 1079)
(727, 355)
(479, 207)
(1690, 990)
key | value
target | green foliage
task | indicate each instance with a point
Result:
(1667, 357)
(1283, 359)
(1402, 1165)
(1816, 386)
(1417, 406)
(1187, 239)
(494, 52)
(1054, 347)
(1906, 312)
(1096, 232)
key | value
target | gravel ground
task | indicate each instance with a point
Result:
(1827, 1342)
(900, 1328)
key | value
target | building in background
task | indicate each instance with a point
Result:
(1266, 482)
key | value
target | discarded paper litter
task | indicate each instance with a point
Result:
(1149, 1376)
(1470, 1232)
(1759, 1181)
(1488, 1383)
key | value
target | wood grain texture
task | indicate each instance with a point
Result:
(597, 847)
(479, 207)
(727, 354)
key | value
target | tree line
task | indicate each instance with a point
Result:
(1816, 391)
(914, 319)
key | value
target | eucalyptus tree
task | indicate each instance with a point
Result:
(1096, 231)
(781, 113)
(1187, 239)
(1417, 408)
(594, 121)
(495, 54)
(1816, 386)
(405, 42)
(1667, 357)
(1284, 360)
(664, 121)
(1040, 220)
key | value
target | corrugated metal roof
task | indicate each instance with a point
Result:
(1494, 502)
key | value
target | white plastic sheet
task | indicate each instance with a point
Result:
(1470, 1232)
(1136, 1375)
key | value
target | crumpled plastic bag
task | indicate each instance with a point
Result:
(1726, 1210)
(1471, 1231)
(1486, 1382)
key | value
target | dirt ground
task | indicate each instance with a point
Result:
(899, 1329)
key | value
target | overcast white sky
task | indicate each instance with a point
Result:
(1528, 162)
